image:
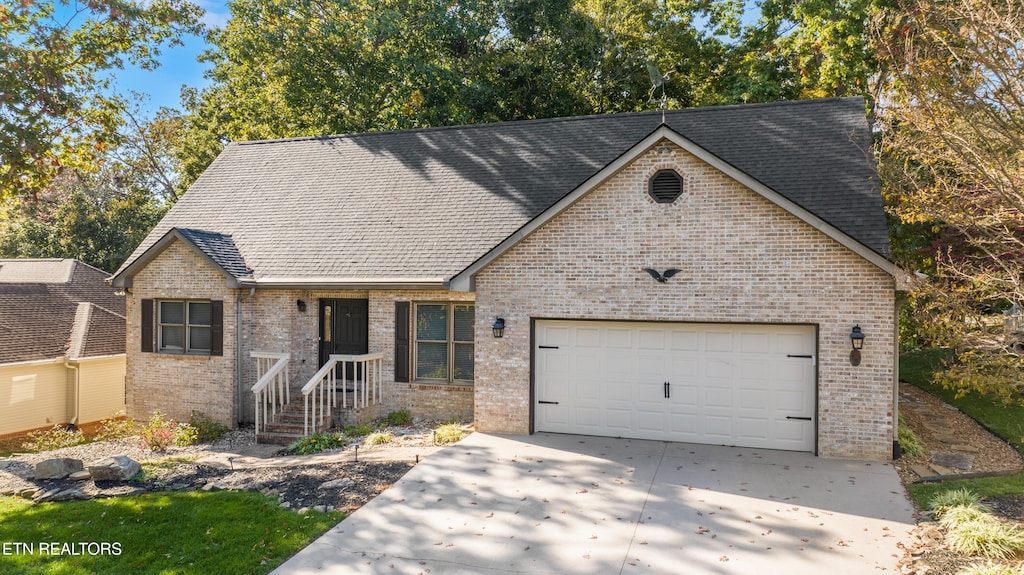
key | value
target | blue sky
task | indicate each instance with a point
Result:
(179, 66)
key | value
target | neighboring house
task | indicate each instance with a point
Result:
(408, 246)
(62, 345)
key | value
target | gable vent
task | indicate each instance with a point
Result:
(665, 186)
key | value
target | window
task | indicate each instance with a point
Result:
(444, 341)
(185, 326)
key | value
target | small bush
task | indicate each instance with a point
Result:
(909, 442)
(986, 536)
(957, 514)
(317, 443)
(54, 438)
(944, 500)
(161, 433)
(207, 430)
(378, 438)
(397, 418)
(116, 428)
(448, 433)
(357, 430)
(989, 568)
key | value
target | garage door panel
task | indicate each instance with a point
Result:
(729, 384)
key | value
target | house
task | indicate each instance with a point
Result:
(62, 345)
(522, 274)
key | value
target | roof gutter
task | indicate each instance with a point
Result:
(78, 390)
(348, 283)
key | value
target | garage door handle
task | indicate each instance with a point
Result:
(799, 418)
(548, 346)
(548, 402)
(803, 356)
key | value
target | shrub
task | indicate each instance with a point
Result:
(400, 417)
(957, 514)
(357, 430)
(944, 500)
(989, 568)
(161, 433)
(448, 433)
(116, 428)
(54, 438)
(317, 443)
(378, 438)
(207, 430)
(909, 442)
(986, 536)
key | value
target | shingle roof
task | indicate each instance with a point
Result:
(37, 315)
(221, 249)
(427, 203)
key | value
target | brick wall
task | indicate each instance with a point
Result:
(743, 259)
(272, 322)
(172, 383)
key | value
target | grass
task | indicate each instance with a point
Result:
(1005, 420)
(990, 568)
(909, 441)
(378, 438)
(179, 533)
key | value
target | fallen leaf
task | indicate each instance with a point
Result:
(723, 558)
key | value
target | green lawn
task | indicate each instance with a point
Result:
(165, 533)
(1005, 420)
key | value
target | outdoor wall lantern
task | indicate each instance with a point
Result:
(499, 327)
(300, 304)
(857, 340)
(857, 337)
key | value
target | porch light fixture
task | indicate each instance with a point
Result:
(857, 337)
(300, 304)
(498, 327)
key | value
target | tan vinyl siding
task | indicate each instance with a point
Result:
(33, 395)
(101, 383)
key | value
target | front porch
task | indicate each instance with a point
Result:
(348, 389)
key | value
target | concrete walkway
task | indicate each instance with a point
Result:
(258, 456)
(565, 504)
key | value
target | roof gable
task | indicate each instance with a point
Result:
(464, 280)
(421, 206)
(217, 249)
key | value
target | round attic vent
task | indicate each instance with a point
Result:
(665, 186)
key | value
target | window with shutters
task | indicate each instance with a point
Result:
(443, 342)
(184, 326)
(665, 186)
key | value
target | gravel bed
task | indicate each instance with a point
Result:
(298, 487)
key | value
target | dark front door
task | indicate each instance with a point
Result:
(343, 329)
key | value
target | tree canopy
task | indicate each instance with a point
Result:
(56, 108)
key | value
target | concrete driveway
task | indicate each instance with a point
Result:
(569, 504)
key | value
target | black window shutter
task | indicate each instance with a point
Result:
(217, 328)
(147, 325)
(402, 347)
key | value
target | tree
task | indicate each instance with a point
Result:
(952, 151)
(56, 111)
(98, 215)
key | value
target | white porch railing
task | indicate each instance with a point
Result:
(320, 394)
(271, 389)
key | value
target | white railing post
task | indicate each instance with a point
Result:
(271, 375)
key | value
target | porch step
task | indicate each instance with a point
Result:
(288, 425)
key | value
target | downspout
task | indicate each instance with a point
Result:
(74, 418)
(239, 384)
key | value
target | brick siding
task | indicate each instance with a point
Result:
(744, 259)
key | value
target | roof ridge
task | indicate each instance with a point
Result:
(537, 121)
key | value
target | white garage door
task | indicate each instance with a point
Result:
(722, 384)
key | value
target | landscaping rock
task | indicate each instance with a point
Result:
(116, 468)
(80, 475)
(62, 495)
(57, 468)
(341, 484)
